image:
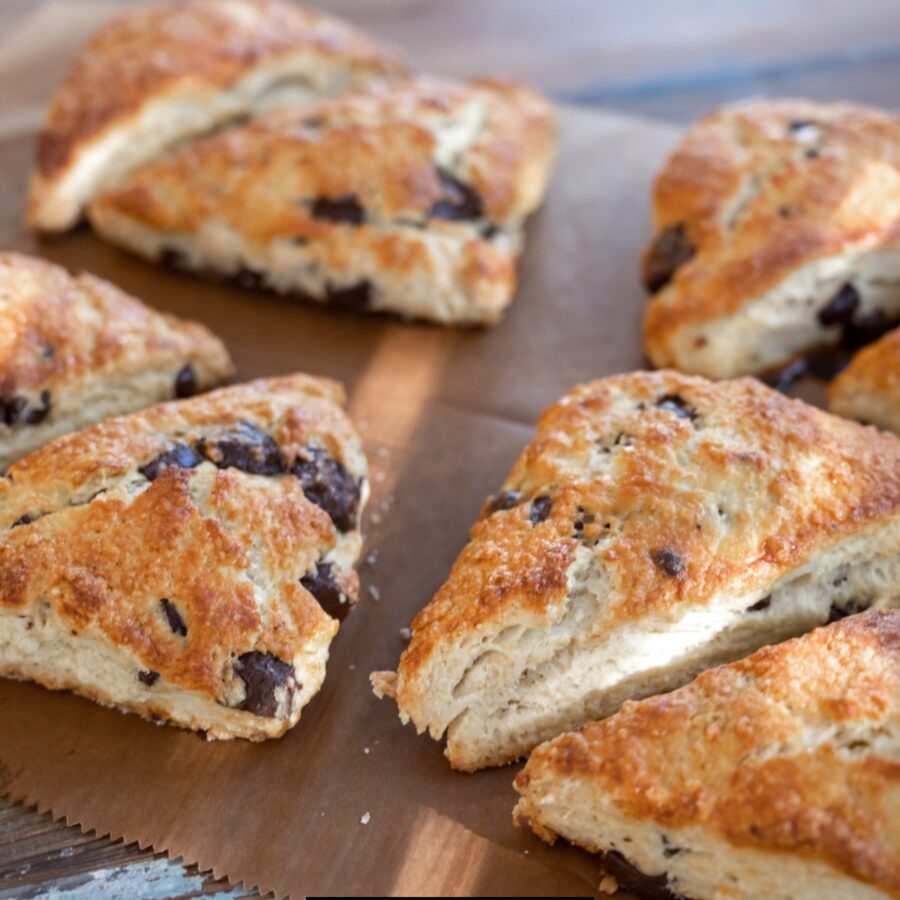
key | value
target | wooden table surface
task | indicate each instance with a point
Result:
(671, 59)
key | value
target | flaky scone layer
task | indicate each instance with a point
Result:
(407, 197)
(657, 525)
(191, 562)
(76, 349)
(869, 389)
(777, 233)
(777, 776)
(158, 75)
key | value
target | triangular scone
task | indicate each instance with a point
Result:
(189, 563)
(407, 197)
(776, 777)
(76, 349)
(777, 233)
(869, 389)
(658, 524)
(159, 75)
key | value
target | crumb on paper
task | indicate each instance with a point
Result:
(365, 819)
(380, 476)
(382, 452)
(375, 518)
(366, 750)
(406, 634)
(526, 853)
(372, 558)
(376, 594)
(352, 667)
(609, 885)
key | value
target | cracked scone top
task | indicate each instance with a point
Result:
(777, 776)
(869, 389)
(657, 525)
(777, 232)
(76, 349)
(191, 562)
(159, 75)
(408, 197)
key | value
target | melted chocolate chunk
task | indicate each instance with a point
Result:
(629, 877)
(263, 674)
(15, 410)
(459, 201)
(669, 561)
(321, 584)
(826, 364)
(356, 298)
(243, 446)
(847, 608)
(329, 485)
(840, 308)
(866, 329)
(180, 455)
(504, 500)
(25, 519)
(173, 258)
(173, 617)
(675, 403)
(149, 678)
(670, 250)
(186, 382)
(346, 210)
(36, 414)
(540, 509)
(760, 605)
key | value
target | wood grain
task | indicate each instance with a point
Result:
(659, 58)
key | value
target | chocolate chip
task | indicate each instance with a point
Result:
(329, 485)
(36, 414)
(321, 584)
(263, 674)
(840, 308)
(490, 231)
(826, 364)
(356, 298)
(865, 329)
(173, 617)
(811, 153)
(173, 258)
(459, 201)
(504, 500)
(669, 561)
(186, 382)
(631, 878)
(788, 375)
(243, 446)
(540, 509)
(675, 403)
(760, 605)
(25, 519)
(47, 351)
(149, 678)
(11, 408)
(180, 455)
(346, 209)
(839, 611)
(670, 250)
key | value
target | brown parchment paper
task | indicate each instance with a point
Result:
(444, 413)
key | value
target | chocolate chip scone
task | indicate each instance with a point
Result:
(191, 562)
(869, 389)
(76, 349)
(777, 776)
(659, 524)
(778, 232)
(159, 75)
(406, 197)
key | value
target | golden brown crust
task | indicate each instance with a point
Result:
(60, 329)
(94, 540)
(359, 183)
(761, 189)
(741, 752)
(151, 51)
(869, 389)
(736, 481)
